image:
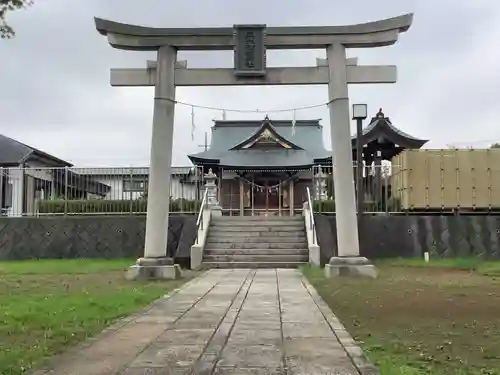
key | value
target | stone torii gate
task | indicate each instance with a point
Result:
(250, 43)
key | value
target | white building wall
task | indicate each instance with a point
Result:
(177, 188)
(182, 190)
(32, 171)
(116, 184)
(16, 187)
(41, 172)
(36, 170)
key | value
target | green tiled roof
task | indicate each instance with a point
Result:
(270, 158)
(227, 134)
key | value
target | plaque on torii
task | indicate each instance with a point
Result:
(249, 50)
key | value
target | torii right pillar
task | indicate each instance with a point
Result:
(348, 261)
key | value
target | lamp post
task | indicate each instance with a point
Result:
(359, 113)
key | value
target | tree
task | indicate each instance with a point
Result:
(6, 31)
(495, 145)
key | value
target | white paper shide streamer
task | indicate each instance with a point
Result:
(193, 126)
(224, 111)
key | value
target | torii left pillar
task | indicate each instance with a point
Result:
(156, 264)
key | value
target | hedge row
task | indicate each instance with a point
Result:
(392, 205)
(60, 206)
(327, 205)
(110, 206)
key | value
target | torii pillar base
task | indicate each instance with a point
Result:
(359, 267)
(149, 269)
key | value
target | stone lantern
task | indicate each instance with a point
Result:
(211, 186)
(320, 190)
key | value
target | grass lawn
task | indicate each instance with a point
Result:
(416, 319)
(47, 305)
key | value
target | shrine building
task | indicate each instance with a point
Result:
(264, 167)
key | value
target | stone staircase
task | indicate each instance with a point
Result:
(256, 242)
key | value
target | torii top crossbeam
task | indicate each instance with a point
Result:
(140, 38)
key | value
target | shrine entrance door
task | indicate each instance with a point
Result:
(269, 195)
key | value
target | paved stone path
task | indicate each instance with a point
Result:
(224, 322)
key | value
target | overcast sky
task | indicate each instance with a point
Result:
(55, 93)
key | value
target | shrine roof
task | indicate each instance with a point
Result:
(381, 129)
(269, 159)
(232, 141)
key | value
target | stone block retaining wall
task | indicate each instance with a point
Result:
(123, 236)
(88, 237)
(390, 236)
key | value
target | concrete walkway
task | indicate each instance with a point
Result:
(224, 322)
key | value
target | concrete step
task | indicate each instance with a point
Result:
(218, 233)
(257, 218)
(255, 228)
(252, 264)
(260, 223)
(303, 252)
(255, 258)
(256, 245)
(261, 239)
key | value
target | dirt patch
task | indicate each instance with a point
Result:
(430, 320)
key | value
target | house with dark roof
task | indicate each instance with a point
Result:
(28, 174)
(14, 154)
(266, 166)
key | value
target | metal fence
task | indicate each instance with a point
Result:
(375, 187)
(441, 186)
(81, 191)
(425, 187)
(283, 192)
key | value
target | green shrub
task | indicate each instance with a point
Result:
(88, 206)
(327, 205)
(392, 204)
(184, 205)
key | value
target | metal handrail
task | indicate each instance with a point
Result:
(312, 224)
(199, 220)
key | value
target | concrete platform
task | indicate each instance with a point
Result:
(153, 269)
(224, 322)
(359, 267)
